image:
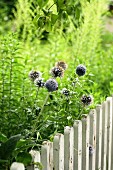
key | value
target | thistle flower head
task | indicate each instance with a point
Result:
(57, 72)
(34, 74)
(65, 92)
(80, 70)
(51, 85)
(87, 100)
(39, 82)
(61, 64)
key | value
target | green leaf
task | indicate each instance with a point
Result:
(42, 3)
(39, 165)
(54, 18)
(24, 157)
(3, 138)
(8, 147)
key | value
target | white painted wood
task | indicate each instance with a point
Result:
(47, 155)
(85, 142)
(109, 127)
(92, 138)
(98, 136)
(68, 148)
(112, 137)
(103, 149)
(71, 150)
(51, 155)
(17, 166)
(35, 158)
(105, 137)
(58, 152)
(77, 145)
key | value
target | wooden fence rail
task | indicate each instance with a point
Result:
(88, 145)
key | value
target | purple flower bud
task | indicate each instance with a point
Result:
(51, 85)
(87, 100)
(80, 70)
(65, 92)
(61, 64)
(39, 82)
(57, 72)
(34, 74)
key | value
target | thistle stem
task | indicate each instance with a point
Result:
(46, 99)
(35, 99)
(38, 117)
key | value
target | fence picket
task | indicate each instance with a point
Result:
(47, 156)
(109, 103)
(68, 148)
(17, 166)
(85, 142)
(77, 145)
(58, 152)
(99, 136)
(92, 139)
(112, 137)
(35, 158)
(104, 137)
(88, 145)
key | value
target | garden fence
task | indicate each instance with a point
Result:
(88, 145)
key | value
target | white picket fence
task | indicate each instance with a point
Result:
(88, 145)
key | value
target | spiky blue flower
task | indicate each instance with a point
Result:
(51, 85)
(80, 70)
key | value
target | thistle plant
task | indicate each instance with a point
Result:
(65, 92)
(39, 82)
(57, 72)
(61, 64)
(34, 74)
(51, 85)
(87, 100)
(80, 70)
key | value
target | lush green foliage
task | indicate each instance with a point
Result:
(43, 33)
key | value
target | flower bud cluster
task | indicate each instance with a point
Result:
(87, 100)
(35, 76)
(58, 69)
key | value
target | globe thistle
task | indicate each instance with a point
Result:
(51, 85)
(57, 72)
(39, 82)
(65, 92)
(61, 64)
(87, 100)
(80, 70)
(34, 74)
